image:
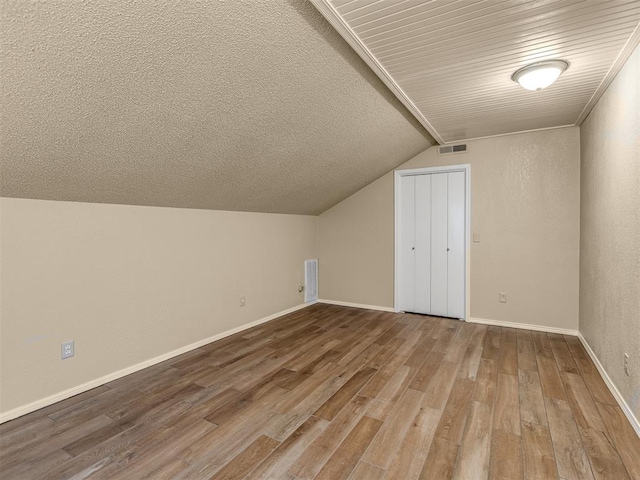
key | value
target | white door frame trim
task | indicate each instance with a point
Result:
(398, 174)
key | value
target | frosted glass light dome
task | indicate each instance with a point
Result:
(537, 76)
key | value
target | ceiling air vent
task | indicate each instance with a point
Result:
(447, 149)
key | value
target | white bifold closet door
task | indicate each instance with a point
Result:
(431, 266)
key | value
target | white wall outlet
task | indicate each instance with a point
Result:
(476, 237)
(626, 364)
(243, 302)
(502, 296)
(68, 349)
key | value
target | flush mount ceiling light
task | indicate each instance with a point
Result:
(539, 75)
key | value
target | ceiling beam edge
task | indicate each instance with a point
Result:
(621, 59)
(332, 16)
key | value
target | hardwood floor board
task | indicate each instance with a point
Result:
(547, 368)
(506, 412)
(292, 380)
(341, 392)
(427, 371)
(366, 471)
(280, 427)
(279, 461)
(624, 437)
(526, 352)
(243, 399)
(404, 351)
(385, 402)
(23, 421)
(142, 458)
(475, 450)
(563, 356)
(598, 443)
(256, 374)
(198, 407)
(133, 379)
(50, 439)
(17, 438)
(570, 456)
(385, 445)
(36, 466)
(344, 459)
(116, 444)
(169, 469)
(105, 469)
(329, 409)
(441, 461)
(216, 377)
(318, 452)
(471, 360)
(247, 460)
(386, 351)
(354, 360)
(506, 456)
(459, 344)
(330, 356)
(313, 352)
(454, 417)
(410, 457)
(228, 439)
(492, 343)
(508, 361)
(90, 408)
(423, 347)
(438, 390)
(325, 376)
(537, 453)
(486, 382)
(448, 331)
(532, 409)
(390, 334)
(380, 379)
(589, 372)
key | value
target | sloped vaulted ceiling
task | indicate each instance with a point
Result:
(232, 105)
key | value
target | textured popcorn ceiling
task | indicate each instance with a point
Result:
(233, 105)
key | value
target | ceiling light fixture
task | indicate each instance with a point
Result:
(539, 75)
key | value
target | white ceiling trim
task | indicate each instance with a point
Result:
(336, 21)
(512, 133)
(621, 59)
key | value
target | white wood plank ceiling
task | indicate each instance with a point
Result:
(451, 61)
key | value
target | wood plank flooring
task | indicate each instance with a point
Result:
(341, 393)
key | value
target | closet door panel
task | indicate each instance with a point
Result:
(423, 244)
(456, 243)
(406, 282)
(439, 240)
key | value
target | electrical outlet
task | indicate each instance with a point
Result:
(68, 349)
(502, 297)
(626, 364)
(243, 302)
(476, 237)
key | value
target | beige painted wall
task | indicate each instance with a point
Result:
(131, 283)
(525, 195)
(610, 230)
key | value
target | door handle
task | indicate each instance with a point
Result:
(447, 249)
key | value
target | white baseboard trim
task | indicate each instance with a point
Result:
(614, 391)
(50, 400)
(524, 326)
(357, 305)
